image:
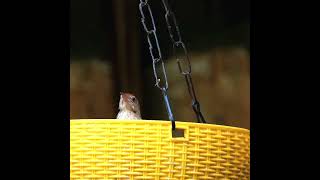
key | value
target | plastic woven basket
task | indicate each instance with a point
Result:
(145, 149)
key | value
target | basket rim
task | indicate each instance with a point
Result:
(161, 122)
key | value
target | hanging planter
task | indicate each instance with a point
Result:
(146, 149)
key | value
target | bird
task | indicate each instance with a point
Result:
(129, 107)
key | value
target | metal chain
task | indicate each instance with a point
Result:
(156, 58)
(178, 43)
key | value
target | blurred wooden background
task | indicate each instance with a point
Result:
(221, 72)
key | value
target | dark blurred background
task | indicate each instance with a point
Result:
(110, 53)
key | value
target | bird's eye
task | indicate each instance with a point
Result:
(133, 99)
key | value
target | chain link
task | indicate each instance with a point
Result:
(156, 58)
(183, 63)
(176, 46)
(177, 42)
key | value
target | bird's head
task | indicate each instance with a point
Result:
(129, 102)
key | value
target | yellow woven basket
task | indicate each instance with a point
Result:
(145, 149)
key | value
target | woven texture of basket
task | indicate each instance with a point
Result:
(145, 149)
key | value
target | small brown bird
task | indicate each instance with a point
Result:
(129, 107)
